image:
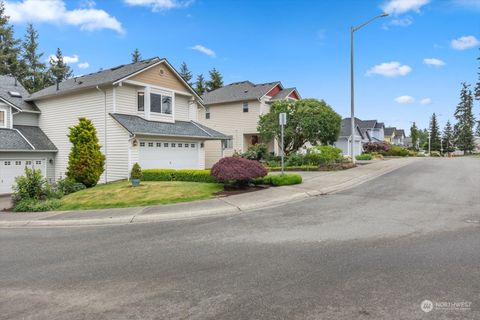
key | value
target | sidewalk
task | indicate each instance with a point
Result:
(314, 184)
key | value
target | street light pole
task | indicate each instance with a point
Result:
(352, 86)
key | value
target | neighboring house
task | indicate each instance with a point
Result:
(389, 134)
(373, 129)
(399, 137)
(408, 142)
(345, 138)
(143, 112)
(235, 110)
(22, 142)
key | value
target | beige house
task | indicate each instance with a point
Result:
(143, 112)
(234, 110)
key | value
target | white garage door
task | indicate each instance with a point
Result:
(169, 155)
(10, 169)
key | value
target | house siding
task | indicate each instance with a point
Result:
(58, 114)
(8, 111)
(25, 119)
(167, 80)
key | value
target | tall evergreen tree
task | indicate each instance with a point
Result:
(185, 73)
(136, 56)
(423, 139)
(414, 135)
(200, 86)
(435, 142)
(465, 120)
(86, 161)
(9, 46)
(447, 138)
(59, 70)
(35, 76)
(216, 80)
(477, 96)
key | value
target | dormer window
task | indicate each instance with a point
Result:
(3, 122)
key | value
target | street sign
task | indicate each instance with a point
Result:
(282, 118)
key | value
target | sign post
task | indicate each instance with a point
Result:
(283, 121)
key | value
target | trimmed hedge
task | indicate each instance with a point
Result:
(279, 180)
(178, 175)
(363, 156)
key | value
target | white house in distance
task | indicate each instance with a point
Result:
(235, 110)
(344, 140)
(143, 112)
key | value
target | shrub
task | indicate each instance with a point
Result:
(85, 161)
(364, 156)
(396, 151)
(280, 180)
(295, 168)
(35, 205)
(66, 186)
(435, 154)
(376, 146)
(295, 159)
(258, 151)
(30, 186)
(322, 154)
(136, 172)
(178, 175)
(238, 170)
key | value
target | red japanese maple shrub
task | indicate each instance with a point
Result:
(238, 170)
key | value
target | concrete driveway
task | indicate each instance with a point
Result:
(373, 252)
(5, 202)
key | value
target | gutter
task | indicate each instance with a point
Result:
(105, 131)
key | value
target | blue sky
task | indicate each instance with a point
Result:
(301, 43)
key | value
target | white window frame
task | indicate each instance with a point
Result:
(245, 107)
(144, 100)
(4, 119)
(162, 94)
(207, 112)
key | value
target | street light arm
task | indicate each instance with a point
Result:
(371, 20)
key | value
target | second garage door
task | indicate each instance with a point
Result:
(12, 168)
(169, 155)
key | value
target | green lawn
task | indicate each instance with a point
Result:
(122, 194)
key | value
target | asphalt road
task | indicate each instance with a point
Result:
(373, 252)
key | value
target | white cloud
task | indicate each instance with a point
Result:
(396, 7)
(83, 65)
(434, 62)
(158, 5)
(56, 12)
(390, 69)
(426, 101)
(66, 59)
(202, 49)
(400, 22)
(465, 42)
(405, 99)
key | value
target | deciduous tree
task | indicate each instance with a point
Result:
(308, 120)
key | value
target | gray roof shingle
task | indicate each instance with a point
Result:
(22, 138)
(92, 80)
(238, 91)
(283, 94)
(345, 129)
(12, 140)
(190, 129)
(37, 138)
(7, 84)
(389, 131)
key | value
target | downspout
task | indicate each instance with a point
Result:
(133, 136)
(105, 130)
